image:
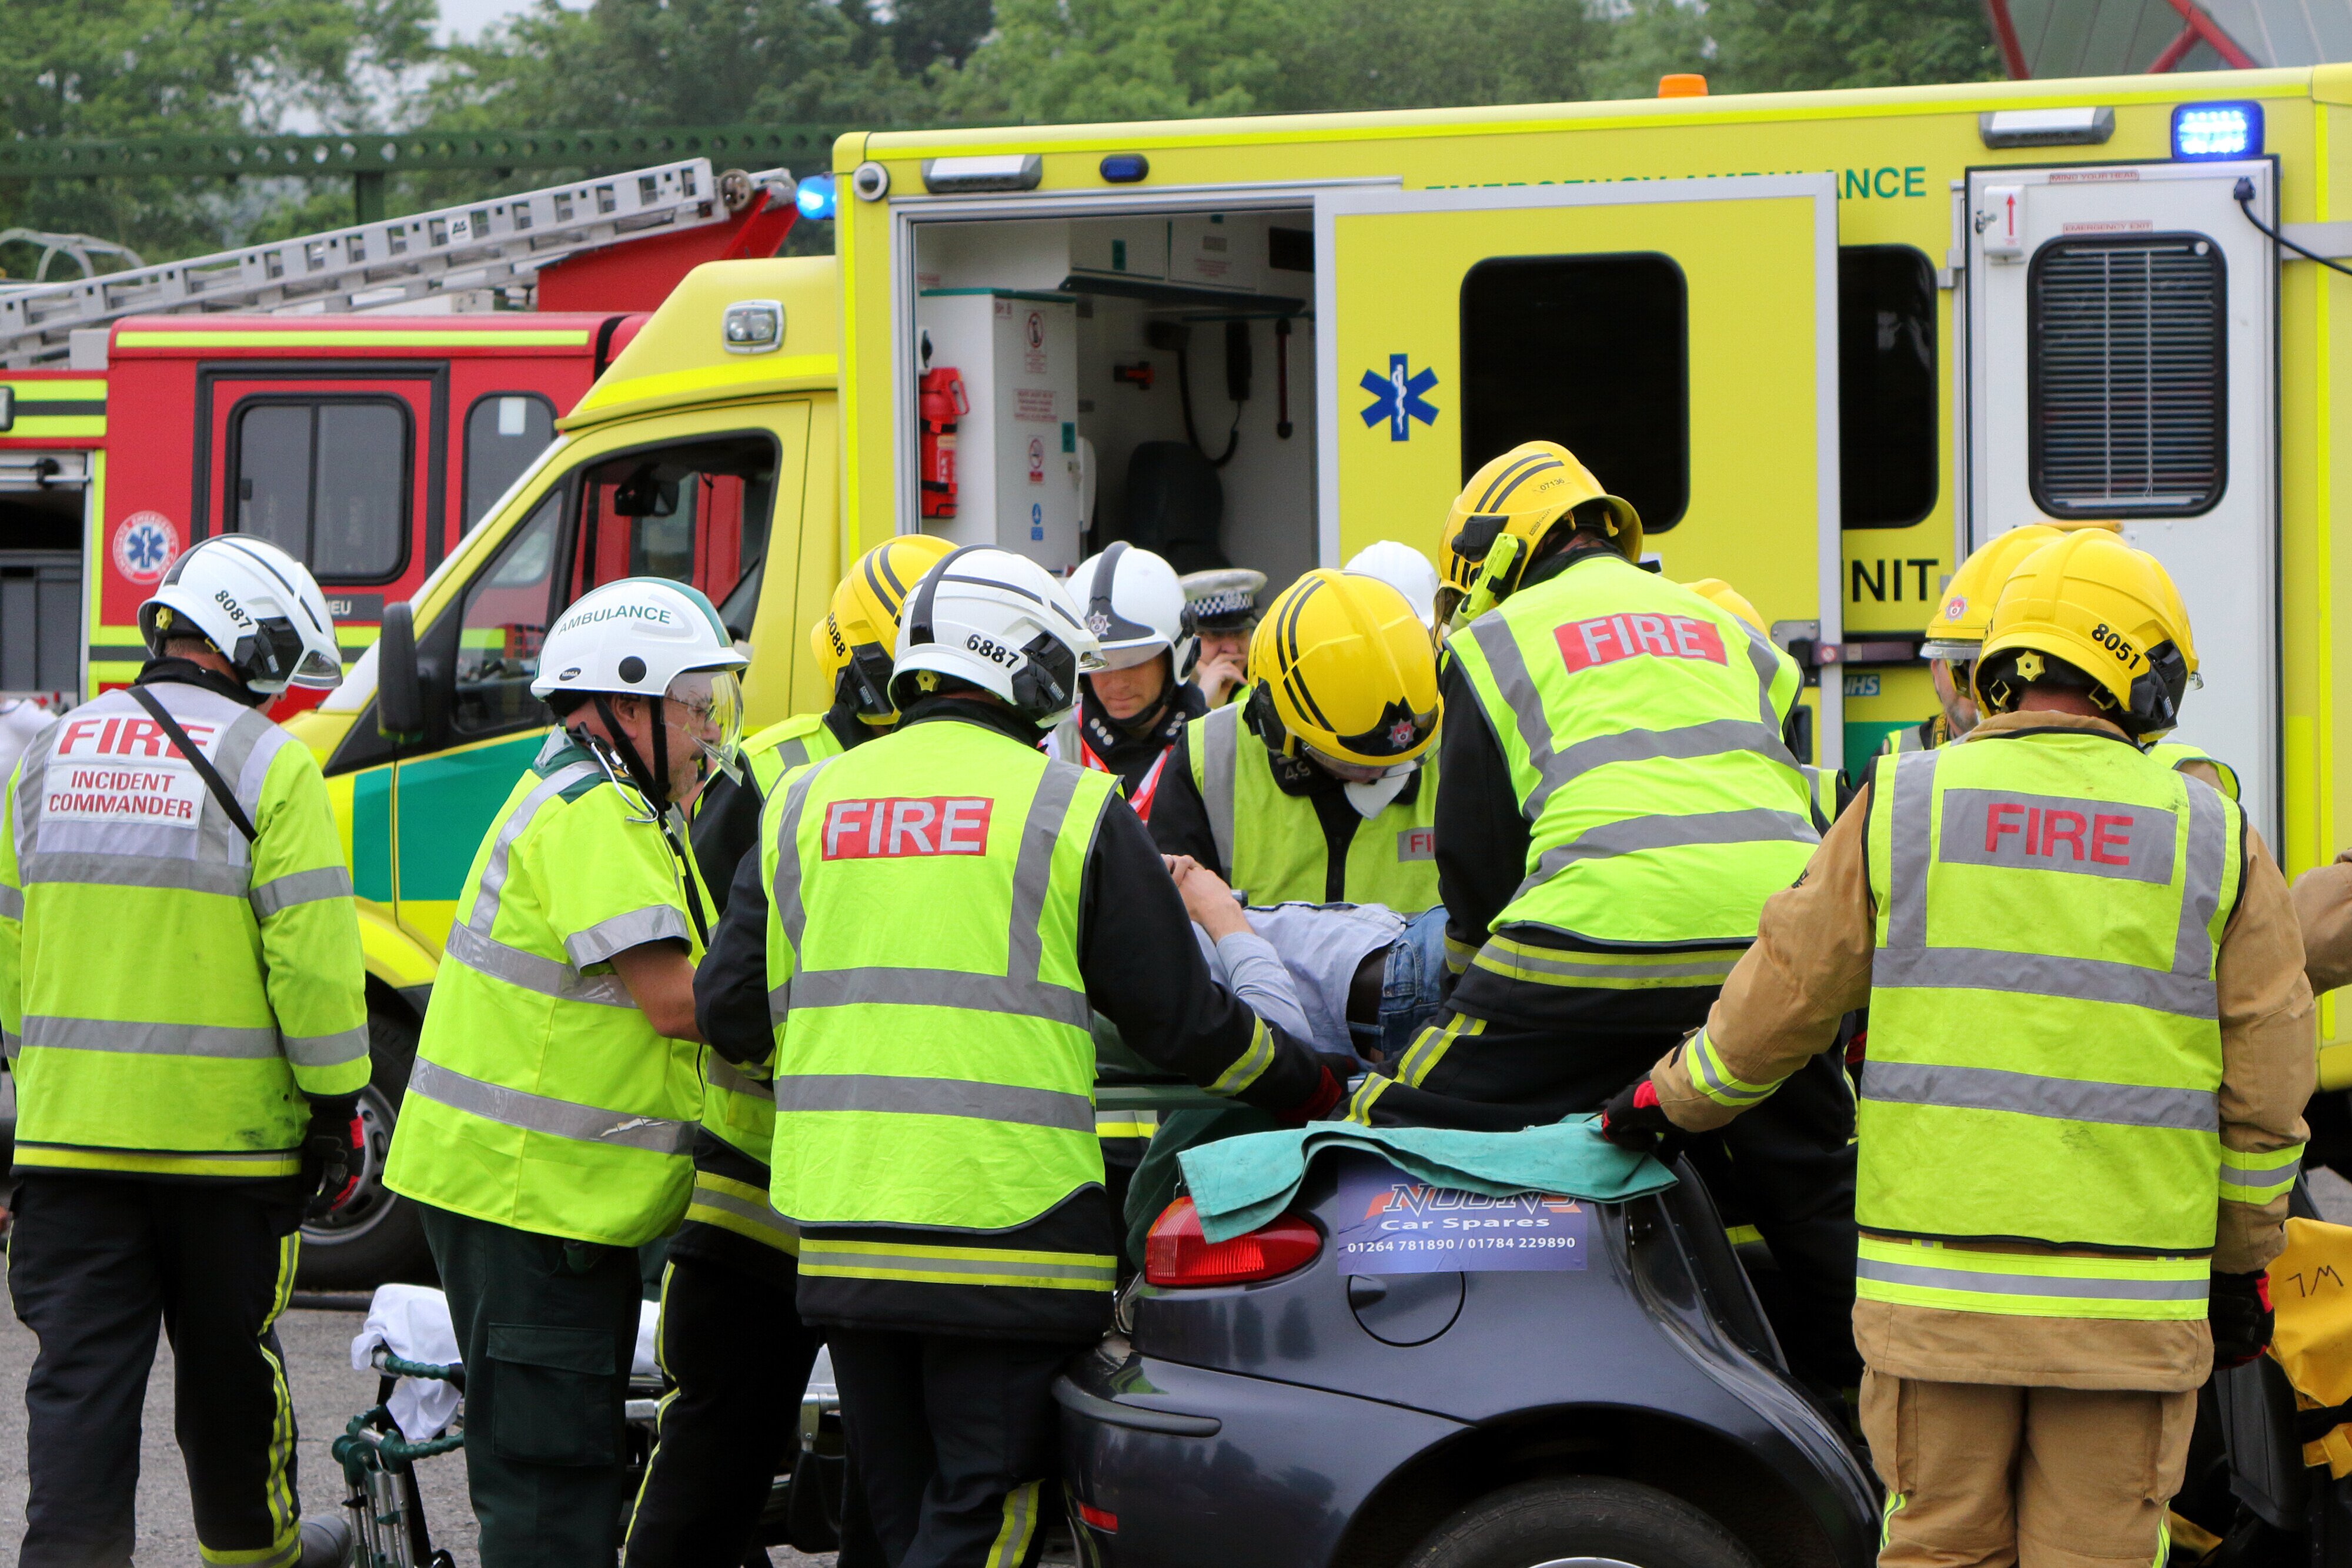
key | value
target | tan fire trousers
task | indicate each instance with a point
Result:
(1982, 1475)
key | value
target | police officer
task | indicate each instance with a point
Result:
(183, 1005)
(1130, 711)
(547, 1124)
(931, 921)
(1224, 602)
(2091, 1043)
(1617, 802)
(724, 1432)
(1319, 786)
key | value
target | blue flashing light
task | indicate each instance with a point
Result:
(817, 196)
(1124, 168)
(2217, 130)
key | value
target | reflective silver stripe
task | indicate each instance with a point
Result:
(1913, 838)
(709, 1197)
(494, 872)
(784, 898)
(2045, 975)
(1221, 745)
(97, 870)
(2279, 1174)
(816, 1256)
(1633, 835)
(1033, 870)
(1493, 637)
(149, 1038)
(12, 903)
(1718, 1082)
(938, 989)
(2031, 1094)
(533, 973)
(10, 1045)
(300, 887)
(327, 1049)
(1975, 1283)
(2200, 886)
(935, 1097)
(721, 1073)
(654, 922)
(540, 1114)
(1764, 657)
(1564, 961)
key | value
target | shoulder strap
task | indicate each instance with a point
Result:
(195, 756)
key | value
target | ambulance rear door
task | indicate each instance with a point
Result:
(2122, 364)
(1678, 335)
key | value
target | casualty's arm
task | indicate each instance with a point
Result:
(301, 892)
(1808, 968)
(731, 987)
(1482, 838)
(2269, 1063)
(2322, 907)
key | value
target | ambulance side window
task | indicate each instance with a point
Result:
(505, 620)
(1591, 351)
(504, 432)
(697, 511)
(326, 479)
(1886, 385)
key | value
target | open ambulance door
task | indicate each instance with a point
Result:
(1680, 336)
(2122, 364)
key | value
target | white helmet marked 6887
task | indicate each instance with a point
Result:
(1001, 622)
(1132, 601)
(254, 602)
(648, 637)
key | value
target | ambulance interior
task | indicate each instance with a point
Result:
(1146, 378)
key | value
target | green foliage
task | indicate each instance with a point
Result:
(1790, 45)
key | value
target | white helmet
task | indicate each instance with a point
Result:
(254, 602)
(648, 637)
(1404, 568)
(1001, 621)
(1131, 600)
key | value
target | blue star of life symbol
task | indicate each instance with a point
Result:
(1398, 399)
(145, 546)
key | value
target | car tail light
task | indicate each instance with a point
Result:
(1100, 1519)
(1177, 1253)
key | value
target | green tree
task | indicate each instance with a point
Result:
(1796, 46)
(1051, 60)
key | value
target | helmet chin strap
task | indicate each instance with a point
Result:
(655, 781)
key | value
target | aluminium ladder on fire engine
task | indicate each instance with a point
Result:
(480, 244)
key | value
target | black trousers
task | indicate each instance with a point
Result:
(95, 1265)
(547, 1330)
(955, 1438)
(740, 1356)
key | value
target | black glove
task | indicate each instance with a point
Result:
(1634, 1120)
(2239, 1310)
(332, 1156)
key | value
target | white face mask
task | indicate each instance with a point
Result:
(1371, 799)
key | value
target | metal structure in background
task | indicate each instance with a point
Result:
(2119, 37)
(365, 161)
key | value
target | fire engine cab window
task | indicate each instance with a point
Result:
(1886, 385)
(504, 432)
(697, 512)
(2126, 390)
(504, 621)
(1587, 351)
(327, 480)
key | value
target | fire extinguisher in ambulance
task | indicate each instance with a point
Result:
(943, 401)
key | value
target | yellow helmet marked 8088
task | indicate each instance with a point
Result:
(2091, 602)
(853, 640)
(1342, 668)
(1521, 496)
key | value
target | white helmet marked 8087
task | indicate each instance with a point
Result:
(254, 602)
(1001, 622)
(1134, 604)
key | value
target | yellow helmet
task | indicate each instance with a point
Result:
(854, 641)
(1342, 668)
(2176, 614)
(1723, 596)
(1959, 620)
(2092, 603)
(1520, 496)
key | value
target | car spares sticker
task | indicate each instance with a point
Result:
(1391, 1224)
(121, 769)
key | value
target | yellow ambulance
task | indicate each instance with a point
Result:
(1826, 342)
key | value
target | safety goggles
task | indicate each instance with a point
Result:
(712, 701)
(1357, 772)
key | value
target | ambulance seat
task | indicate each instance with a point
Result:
(1175, 504)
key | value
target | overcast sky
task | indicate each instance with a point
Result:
(465, 19)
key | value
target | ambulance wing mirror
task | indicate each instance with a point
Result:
(399, 693)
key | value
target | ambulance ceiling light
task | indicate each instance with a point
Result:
(2217, 130)
(817, 197)
(2046, 127)
(1004, 171)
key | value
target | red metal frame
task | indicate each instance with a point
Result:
(2200, 28)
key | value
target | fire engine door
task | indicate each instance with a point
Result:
(1680, 336)
(347, 470)
(2122, 365)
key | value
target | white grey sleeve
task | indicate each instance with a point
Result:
(1255, 972)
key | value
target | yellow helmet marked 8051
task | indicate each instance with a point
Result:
(1341, 667)
(853, 642)
(1521, 496)
(2092, 602)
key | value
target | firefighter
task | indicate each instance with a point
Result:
(2091, 1043)
(1133, 708)
(546, 1131)
(1616, 803)
(1320, 785)
(1954, 631)
(1224, 602)
(1826, 789)
(183, 1005)
(934, 912)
